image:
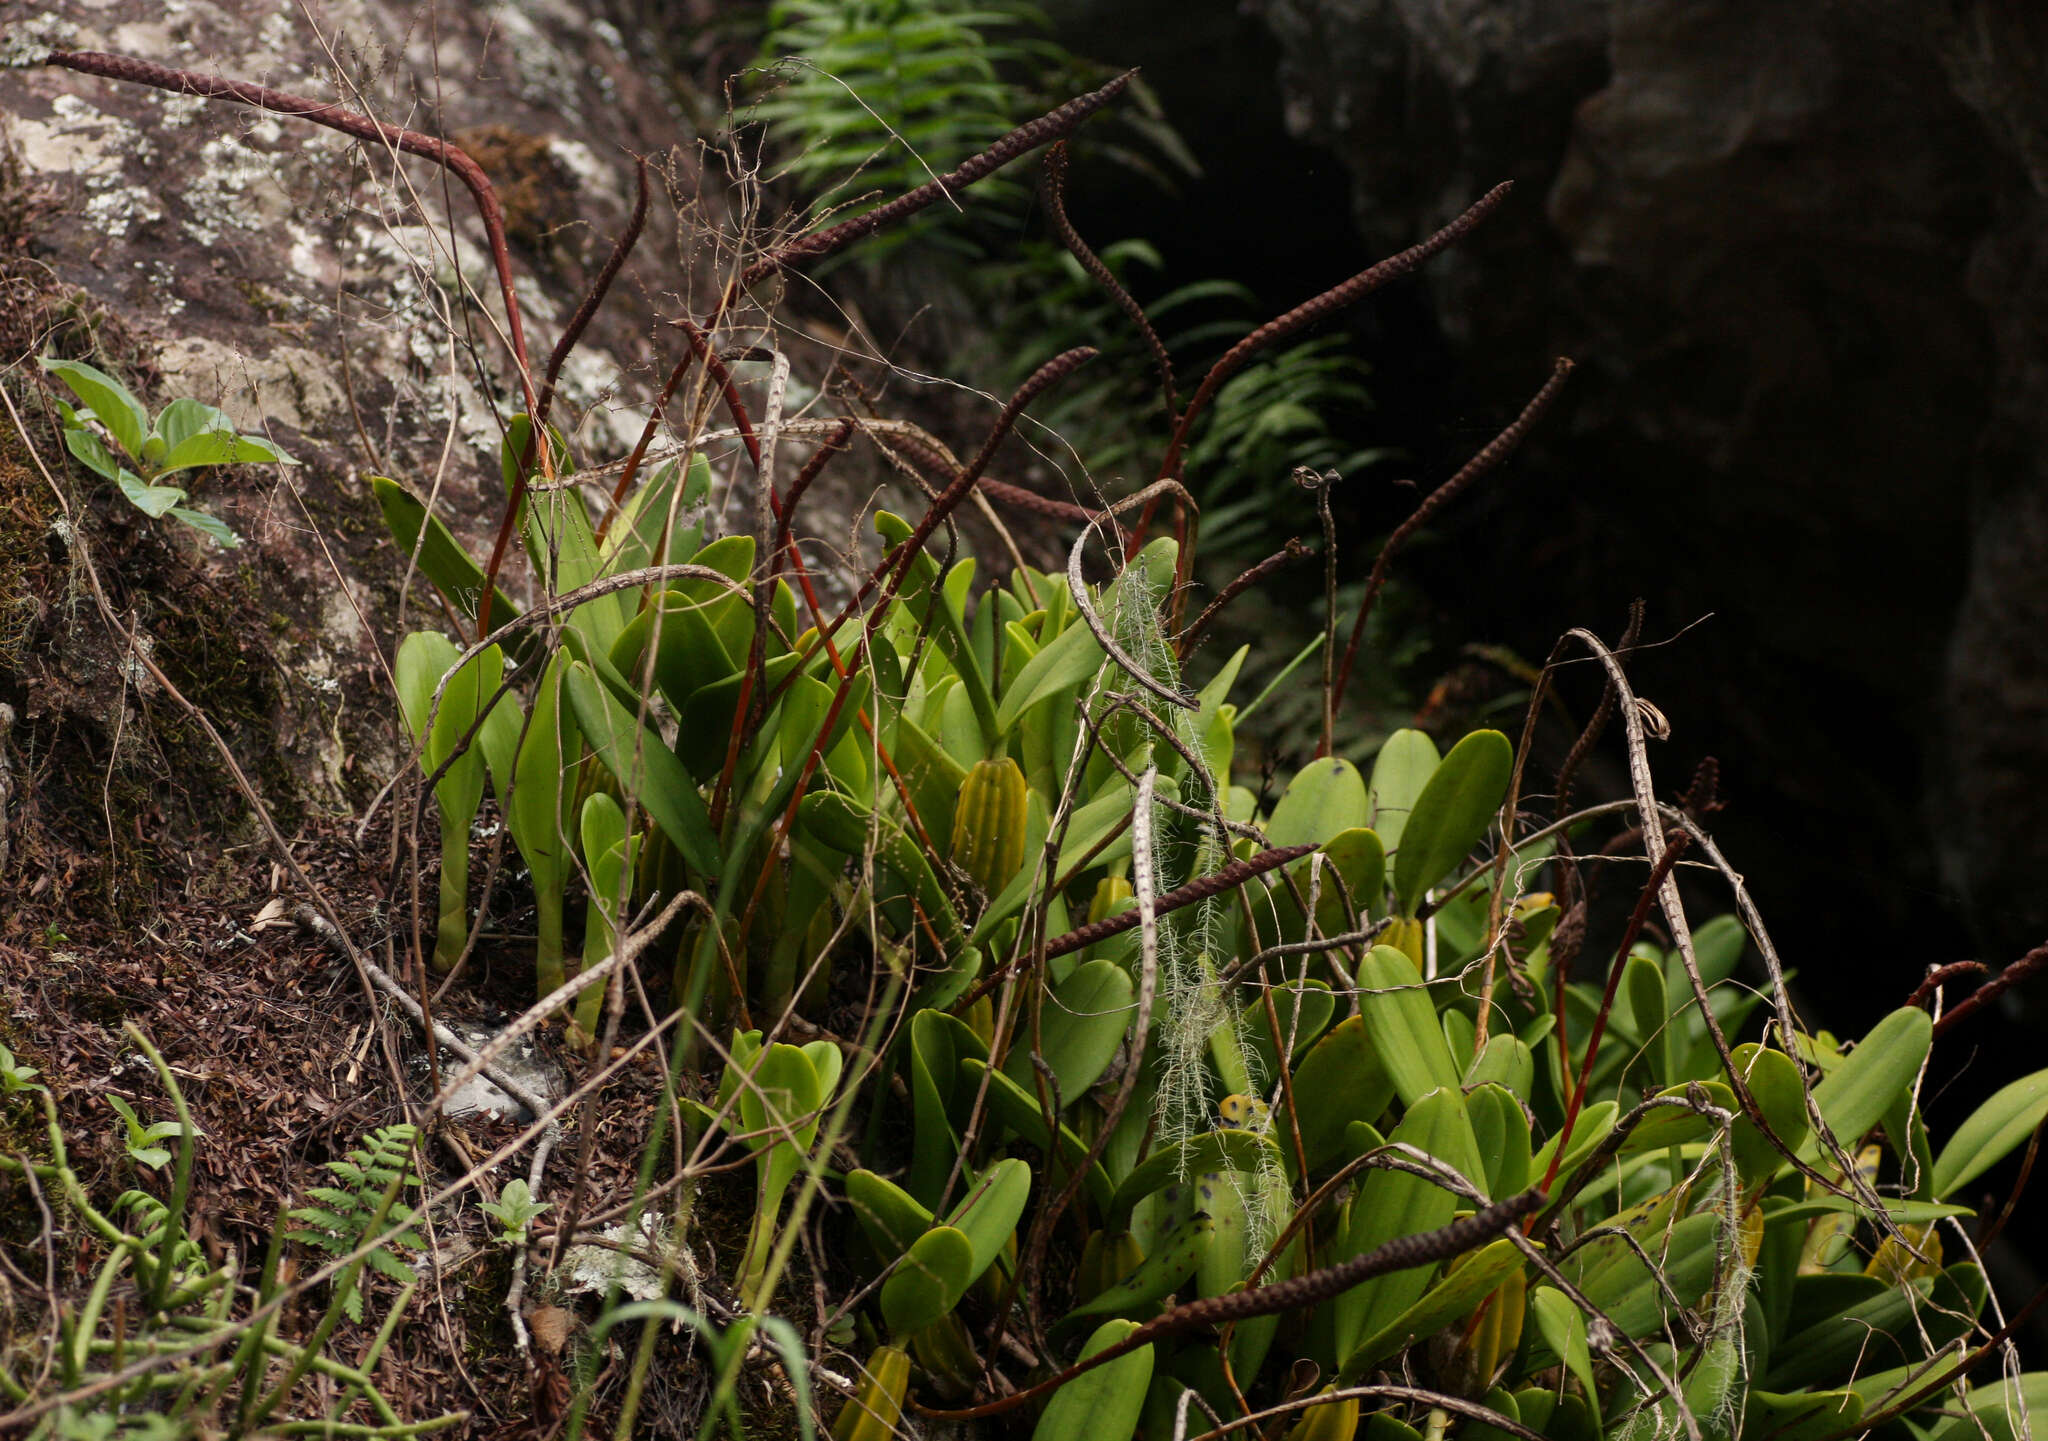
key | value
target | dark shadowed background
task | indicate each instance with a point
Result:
(1800, 256)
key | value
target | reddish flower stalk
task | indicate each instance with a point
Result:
(1229, 878)
(1423, 1249)
(601, 287)
(715, 368)
(1322, 306)
(1055, 191)
(896, 564)
(2018, 971)
(1294, 550)
(1497, 450)
(1941, 976)
(1025, 138)
(700, 350)
(747, 713)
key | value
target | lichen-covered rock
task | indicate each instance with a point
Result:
(339, 299)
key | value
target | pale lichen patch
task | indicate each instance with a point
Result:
(237, 184)
(290, 386)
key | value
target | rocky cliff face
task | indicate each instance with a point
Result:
(341, 300)
(1797, 250)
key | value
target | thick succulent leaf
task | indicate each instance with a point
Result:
(1854, 1096)
(705, 722)
(1612, 1276)
(1391, 1204)
(1222, 1150)
(1563, 1328)
(1302, 1008)
(2002, 1411)
(1068, 660)
(424, 657)
(539, 801)
(1502, 1131)
(560, 541)
(1161, 1273)
(1404, 766)
(1451, 1299)
(1361, 860)
(840, 822)
(688, 655)
(645, 768)
(1642, 982)
(1803, 1415)
(1993, 1131)
(1507, 1062)
(1455, 807)
(1325, 799)
(1338, 1082)
(1082, 1024)
(874, 1410)
(642, 532)
(929, 1282)
(1402, 1022)
(1018, 1109)
(441, 556)
(888, 1215)
(1834, 1344)
(987, 1215)
(1104, 1404)
(938, 1042)
(1774, 1082)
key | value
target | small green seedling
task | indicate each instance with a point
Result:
(514, 1211)
(185, 436)
(143, 1137)
(14, 1076)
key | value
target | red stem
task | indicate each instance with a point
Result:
(1497, 450)
(1305, 314)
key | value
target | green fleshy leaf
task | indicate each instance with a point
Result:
(112, 404)
(1451, 814)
